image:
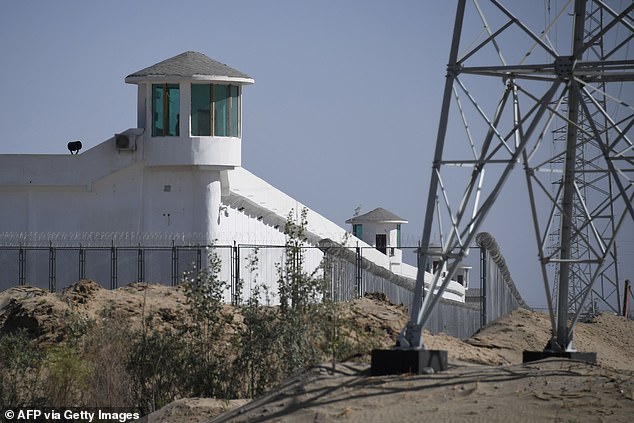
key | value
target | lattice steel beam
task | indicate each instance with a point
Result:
(539, 85)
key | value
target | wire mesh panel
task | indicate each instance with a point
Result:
(37, 267)
(65, 263)
(259, 265)
(396, 294)
(97, 265)
(188, 259)
(340, 278)
(313, 262)
(223, 254)
(130, 266)
(264, 265)
(352, 276)
(455, 319)
(500, 294)
(9, 267)
(158, 265)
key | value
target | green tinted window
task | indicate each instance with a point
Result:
(221, 116)
(165, 110)
(157, 110)
(215, 110)
(357, 230)
(235, 110)
(201, 110)
(174, 112)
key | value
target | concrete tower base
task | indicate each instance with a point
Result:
(390, 362)
(588, 357)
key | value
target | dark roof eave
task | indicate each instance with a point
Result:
(135, 79)
(355, 220)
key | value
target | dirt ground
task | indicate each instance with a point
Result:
(552, 390)
(486, 380)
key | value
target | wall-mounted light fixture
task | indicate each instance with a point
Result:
(74, 147)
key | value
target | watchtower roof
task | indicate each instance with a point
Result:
(190, 65)
(377, 215)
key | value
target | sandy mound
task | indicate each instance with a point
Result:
(371, 322)
(610, 336)
(367, 321)
(192, 410)
(46, 315)
(498, 389)
(551, 390)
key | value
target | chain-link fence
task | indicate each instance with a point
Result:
(499, 294)
(346, 273)
(353, 275)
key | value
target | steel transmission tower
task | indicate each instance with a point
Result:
(509, 86)
(594, 186)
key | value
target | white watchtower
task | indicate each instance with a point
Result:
(190, 111)
(382, 229)
(190, 108)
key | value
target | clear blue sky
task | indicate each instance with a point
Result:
(344, 111)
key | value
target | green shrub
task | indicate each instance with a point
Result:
(21, 365)
(258, 363)
(208, 362)
(67, 377)
(205, 353)
(107, 348)
(156, 365)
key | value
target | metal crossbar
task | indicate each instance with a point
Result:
(577, 222)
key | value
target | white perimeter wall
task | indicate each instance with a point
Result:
(134, 199)
(106, 191)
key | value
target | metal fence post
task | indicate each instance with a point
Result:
(626, 298)
(51, 267)
(235, 273)
(483, 287)
(174, 264)
(140, 264)
(113, 266)
(82, 263)
(359, 275)
(329, 275)
(199, 259)
(21, 267)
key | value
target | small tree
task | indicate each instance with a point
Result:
(156, 364)
(209, 368)
(297, 288)
(300, 293)
(107, 348)
(257, 364)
